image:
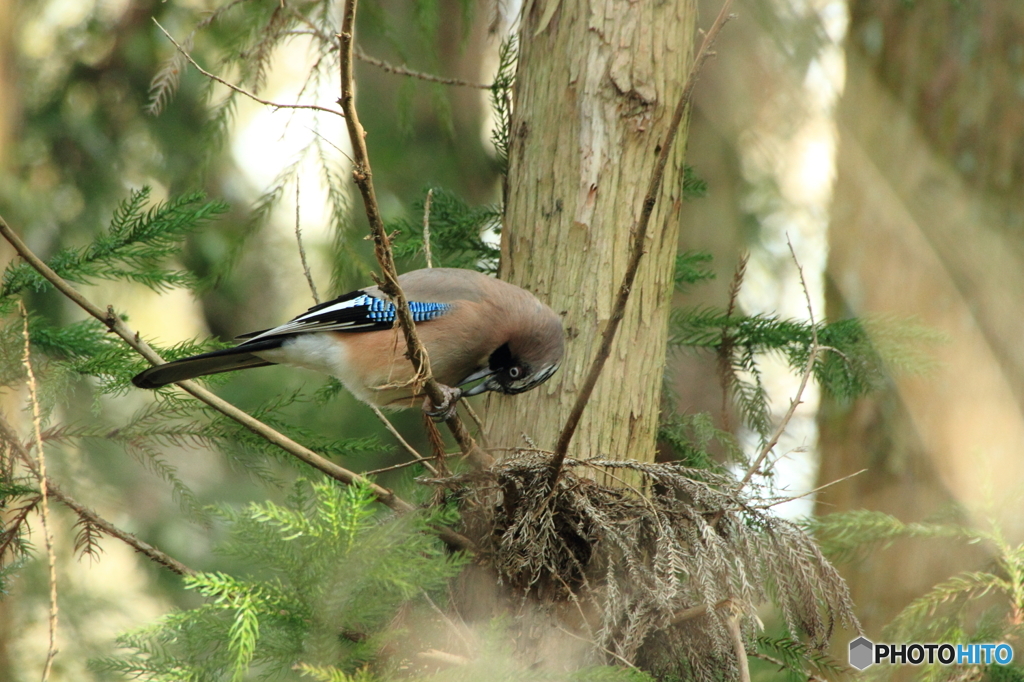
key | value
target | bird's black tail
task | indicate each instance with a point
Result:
(239, 357)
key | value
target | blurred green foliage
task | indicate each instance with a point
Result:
(980, 606)
(324, 580)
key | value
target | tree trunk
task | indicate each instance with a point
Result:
(926, 223)
(596, 85)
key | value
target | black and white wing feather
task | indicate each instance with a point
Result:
(354, 312)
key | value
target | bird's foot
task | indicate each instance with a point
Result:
(446, 410)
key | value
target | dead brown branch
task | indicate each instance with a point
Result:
(740, 649)
(44, 497)
(394, 432)
(402, 465)
(697, 611)
(636, 249)
(115, 324)
(363, 176)
(545, 547)
(426, 228)
(437, 448)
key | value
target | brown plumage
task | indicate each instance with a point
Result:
(472, 326)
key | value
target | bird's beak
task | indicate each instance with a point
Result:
(482, 386)
(479, 374)
(478, 389)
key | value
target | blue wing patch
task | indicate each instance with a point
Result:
(354, 312)
(380, 310)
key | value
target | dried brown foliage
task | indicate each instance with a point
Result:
(634, 562)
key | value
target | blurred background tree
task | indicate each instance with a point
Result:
(927, 221)
(887, 135)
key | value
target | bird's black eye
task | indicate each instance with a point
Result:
(515, 372)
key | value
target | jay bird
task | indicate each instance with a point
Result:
(472, 326)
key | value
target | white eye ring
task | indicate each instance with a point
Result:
(515, 372)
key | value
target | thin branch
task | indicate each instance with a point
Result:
(44, 507)
(697, 612)
(437, 447)
(812, 358)
(302, 250)
(402, 465)
(459, 632)
(775, 503)
(9, 435)
(315, 30)
(625, 484)
(598, 646)
(404, 71)
(636, 250)
(443, 657)
(476, 420)
(520, 448)
(140, 546)
(363, 176)
(115, 324)
(394, 432)
(336, 147)
(726, 374)
(426, 227)
(783, 666)
(331, 44)
(739, 648)
(732, 624)
(14, 519)
(242, 91)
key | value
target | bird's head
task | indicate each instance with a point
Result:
(530, 357)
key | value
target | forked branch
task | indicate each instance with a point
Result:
(636, 248)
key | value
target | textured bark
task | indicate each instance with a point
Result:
(919, 232)
(596, 85)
